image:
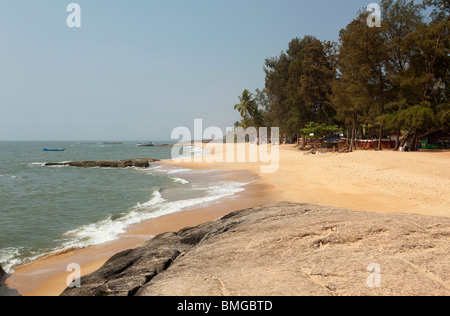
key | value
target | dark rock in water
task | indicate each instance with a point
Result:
(2, 272)
(4, 290)
(140, 163)
(285, 249)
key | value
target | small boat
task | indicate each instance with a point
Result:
(151, 144)
(49, 149)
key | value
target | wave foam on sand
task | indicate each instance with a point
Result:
(111, 228)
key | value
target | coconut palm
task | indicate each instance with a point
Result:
(248, 108)
(247, 105)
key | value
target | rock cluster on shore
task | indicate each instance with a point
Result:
(4, 290)
(140, 163)
(2, 272)
(2, 277)
(286, 249)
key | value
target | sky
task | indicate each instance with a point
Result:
(135, 70)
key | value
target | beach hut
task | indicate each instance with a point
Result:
(386, 143)
(334, 143)
(434, 139)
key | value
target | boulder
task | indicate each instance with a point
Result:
(4, 290)
(2, 272)
(140, 163)
(286, 249)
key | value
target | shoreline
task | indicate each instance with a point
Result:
(365, 180)
(378, 182)
(47, 275)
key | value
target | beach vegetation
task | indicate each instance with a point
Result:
(317, 131)
(379, 82)
(252, 115)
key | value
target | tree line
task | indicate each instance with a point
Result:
(375, 82)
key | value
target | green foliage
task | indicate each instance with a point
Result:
(414, 117)
(417, 117)
(314, 130)
(443, 116)
(315, 82)
(394, 78)
(249, 110)
(298, 84)
(247, 105)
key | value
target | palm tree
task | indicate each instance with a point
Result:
(248, 108)
(245, 122)
(247, 105)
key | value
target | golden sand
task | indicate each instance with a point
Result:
(377, 181)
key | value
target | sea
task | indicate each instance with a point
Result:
(50, 209)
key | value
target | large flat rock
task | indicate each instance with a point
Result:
(286, 249)
(140, 163)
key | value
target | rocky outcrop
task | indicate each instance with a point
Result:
(2, 272)
(4, 290)
(286, 249)
(140, 163)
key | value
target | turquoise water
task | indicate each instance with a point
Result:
(47, 209)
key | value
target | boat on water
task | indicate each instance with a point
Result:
(50, 149)
(151, 144)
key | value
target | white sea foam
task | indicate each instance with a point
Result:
(178, 170)
(156, 199)
(10, 177)
(37, 164)
(43, 164)
(191, 152)
(9, 258)
(222, 190)
(148, 170)
(179, 180)
(110, 229)
(13, 257)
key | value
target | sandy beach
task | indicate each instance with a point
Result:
(375, 181)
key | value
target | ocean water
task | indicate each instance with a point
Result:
(48, 209)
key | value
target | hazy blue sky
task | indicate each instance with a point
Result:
(137, 69)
